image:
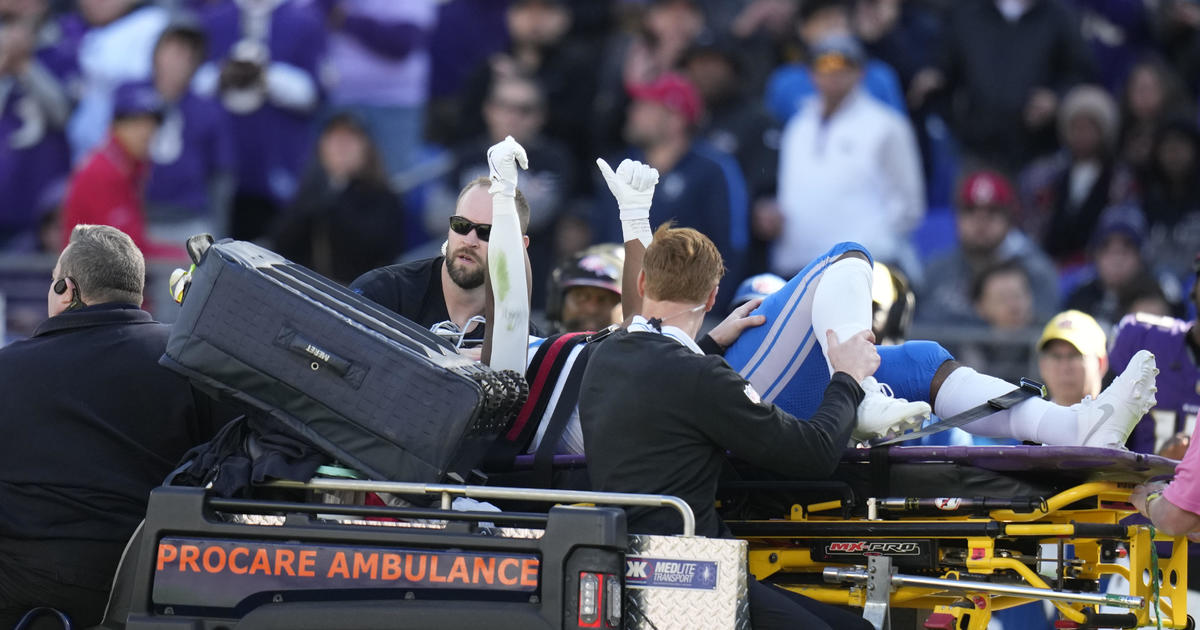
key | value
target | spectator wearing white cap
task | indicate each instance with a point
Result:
(849, 169)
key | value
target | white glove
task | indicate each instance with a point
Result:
(633, 186)
(503, 158)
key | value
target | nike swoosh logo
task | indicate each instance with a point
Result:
(1108, 413)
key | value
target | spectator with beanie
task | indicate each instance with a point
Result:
(987, 235)
(107, 189)
(699, 187)
(849, 169)
(1066, 193)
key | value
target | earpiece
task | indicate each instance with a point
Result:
(445, 245)
(60, 287)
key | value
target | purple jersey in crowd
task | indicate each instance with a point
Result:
(194, 143)
(33, 148)
(1178, 377)
(272, 142)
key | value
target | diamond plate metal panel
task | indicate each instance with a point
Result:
(667, 587)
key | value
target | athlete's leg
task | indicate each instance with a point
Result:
(842, 300)
(783, 359)
(924, 370)
(1106, 420)
(912, 368)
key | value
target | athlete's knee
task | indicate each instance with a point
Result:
(854, 253)
(851, 249)
(911, 367)
(928, 355)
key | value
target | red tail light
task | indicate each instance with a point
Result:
(599, 600)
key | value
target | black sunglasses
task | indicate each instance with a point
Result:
(464, 226)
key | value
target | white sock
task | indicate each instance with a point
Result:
(842, 302)
(1035, 419)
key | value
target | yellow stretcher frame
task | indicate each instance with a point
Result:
(1095, 502)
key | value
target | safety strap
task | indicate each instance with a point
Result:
(880, 466)
(547, 365)
(543, 459)
(542, 375)
(1029, 388)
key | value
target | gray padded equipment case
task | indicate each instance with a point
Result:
(375, 391)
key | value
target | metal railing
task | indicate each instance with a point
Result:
(448, 492)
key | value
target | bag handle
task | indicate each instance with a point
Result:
(320, 358)
(33, 615)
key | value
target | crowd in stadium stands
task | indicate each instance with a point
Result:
(1007, 182)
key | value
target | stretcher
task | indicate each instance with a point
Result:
(958, 531)
(965, 532)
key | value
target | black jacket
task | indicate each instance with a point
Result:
(658, 418)
(993, 65)
(91, 423)
(341, 232)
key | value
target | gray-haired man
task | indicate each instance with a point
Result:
(91, 423)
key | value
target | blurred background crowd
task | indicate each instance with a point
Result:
(1008, 158)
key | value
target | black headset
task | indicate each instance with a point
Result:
(60, 287)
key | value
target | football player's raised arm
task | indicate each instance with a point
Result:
(508, 325)
(632, 184)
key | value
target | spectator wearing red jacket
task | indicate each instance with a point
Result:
(107, 189)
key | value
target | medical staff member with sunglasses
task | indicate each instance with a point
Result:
(446, 293)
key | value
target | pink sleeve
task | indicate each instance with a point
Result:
(1184, 491)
